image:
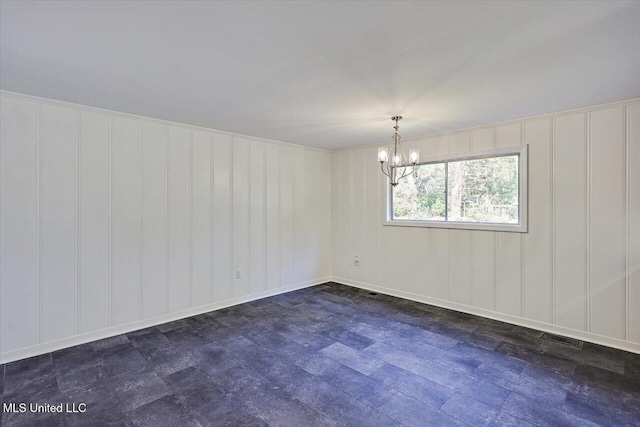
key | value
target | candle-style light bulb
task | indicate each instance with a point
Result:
(383, 155)
(414, 155)
(396, 160)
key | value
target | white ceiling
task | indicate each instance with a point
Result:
(324, 74)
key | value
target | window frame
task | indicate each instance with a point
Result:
(520, 227)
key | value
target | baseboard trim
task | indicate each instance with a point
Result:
(38, 349)
(533, 324)
(43, 348)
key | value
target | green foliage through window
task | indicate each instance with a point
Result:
(483, 190)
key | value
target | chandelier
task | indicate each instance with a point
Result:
(399, 166)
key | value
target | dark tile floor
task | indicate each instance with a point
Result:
(329, 355)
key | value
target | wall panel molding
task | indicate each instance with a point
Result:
(633, 232)
(587, 224)
(19, 224)
(627, 221)
(87, 238)
(126, 222)
(577, 268)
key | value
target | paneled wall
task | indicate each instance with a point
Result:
(577, 270)
(110, 222)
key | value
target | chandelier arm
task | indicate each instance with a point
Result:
(404, 172)
(383, 171)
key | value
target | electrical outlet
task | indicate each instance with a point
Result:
(356, 261)
(238, 274)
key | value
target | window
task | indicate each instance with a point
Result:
(483, 191)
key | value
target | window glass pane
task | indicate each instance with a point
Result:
(421, 195)
(484, 190)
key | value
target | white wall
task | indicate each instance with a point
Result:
(110, 222)
(576, 272)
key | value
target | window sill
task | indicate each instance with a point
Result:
(513, 228)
